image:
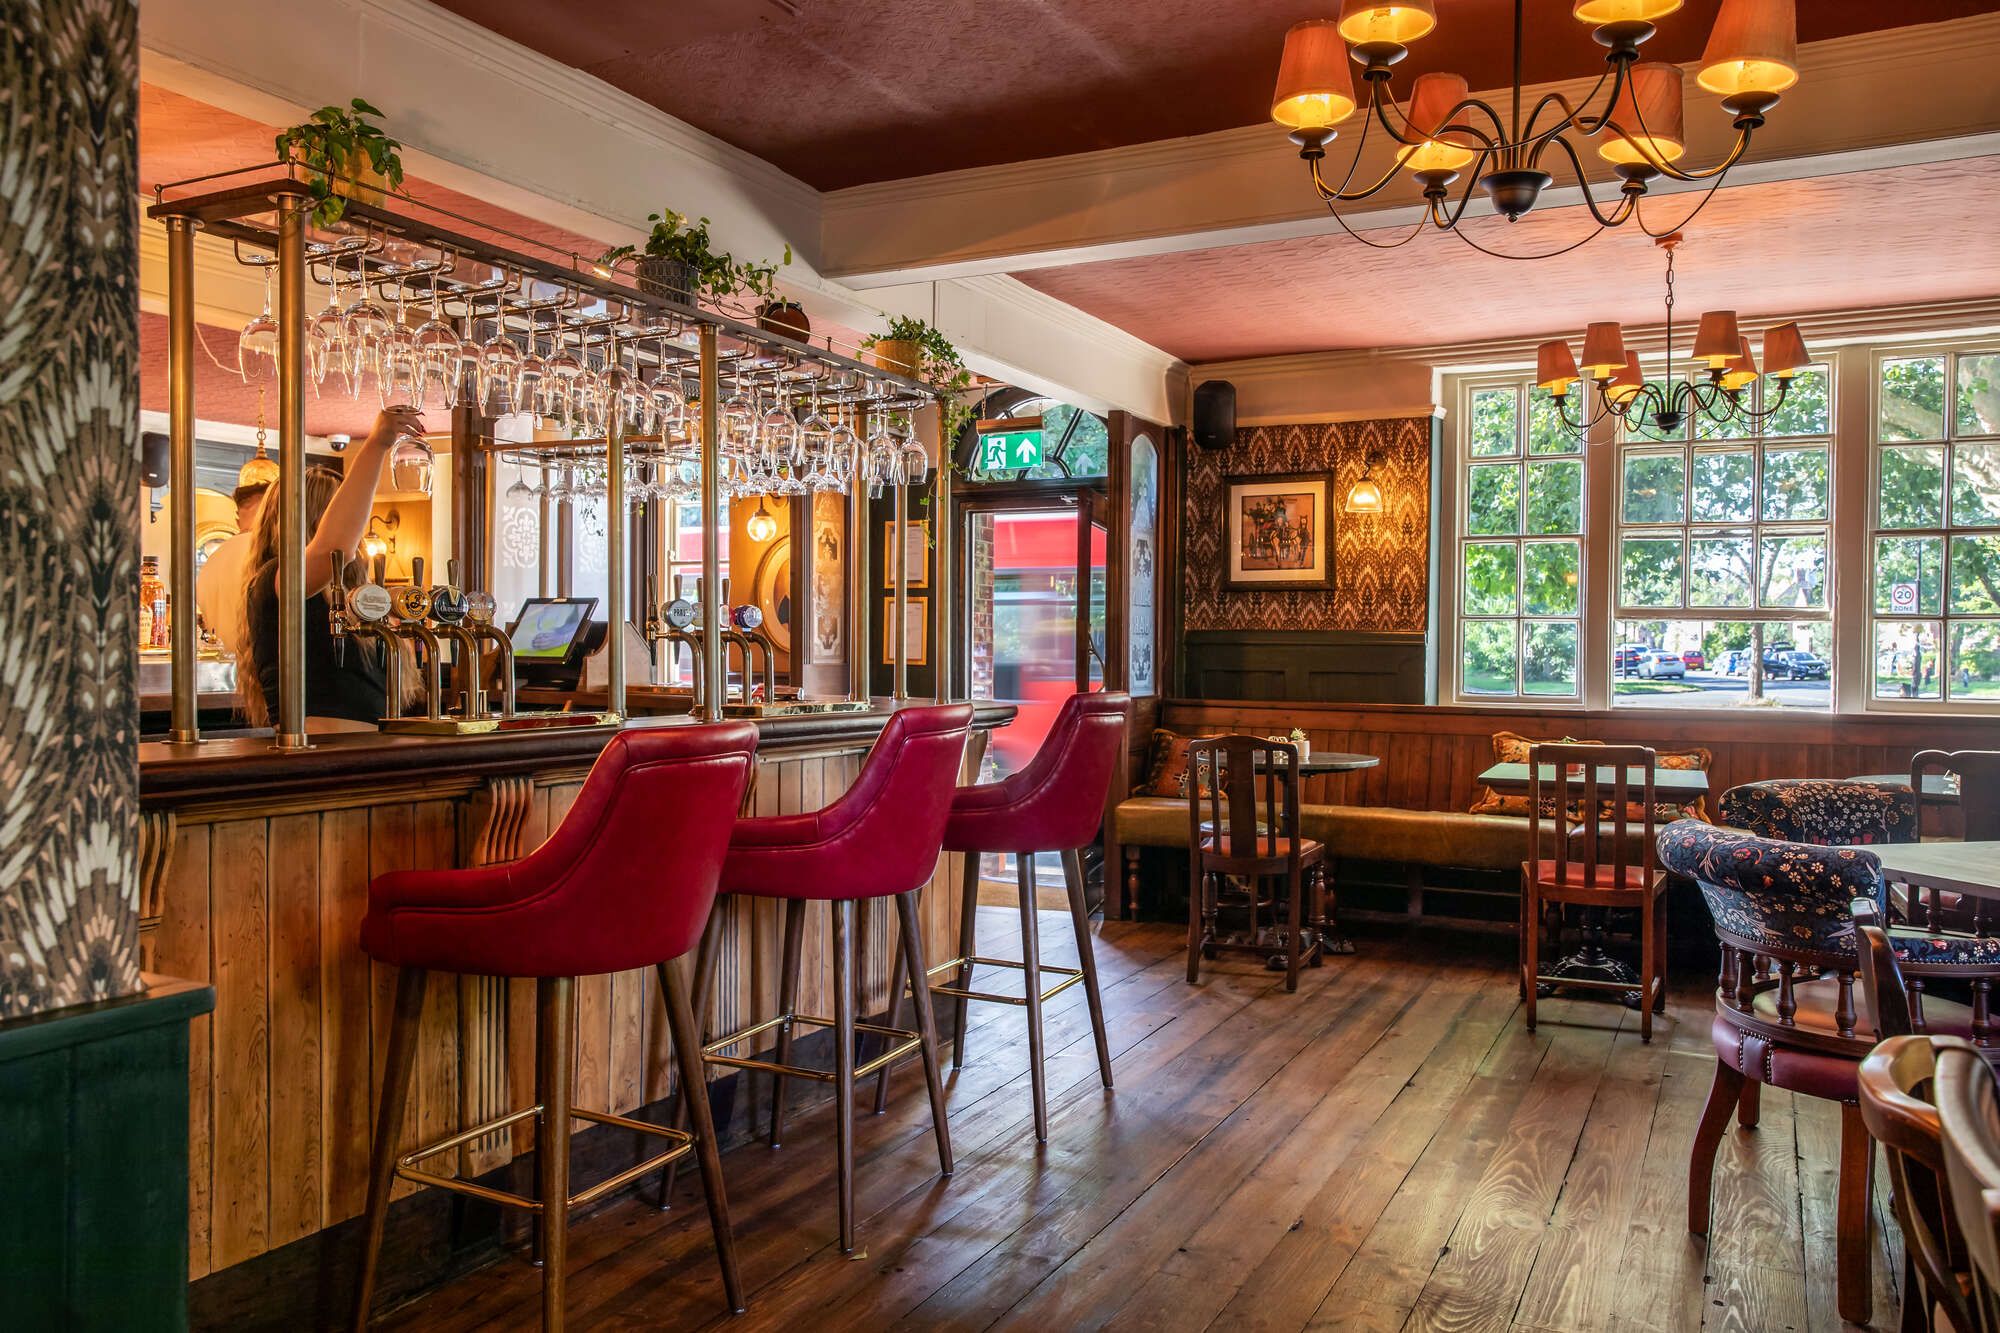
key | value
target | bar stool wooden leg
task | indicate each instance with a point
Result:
(913, 955)
(843, 1064)
(1031, 978)
(553, 999)
(968, 917)
(396, 1071)
(704, 975)
(687, 1052)
(788, 1000)
(1086, 953)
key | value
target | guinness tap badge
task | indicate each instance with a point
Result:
(447, 605)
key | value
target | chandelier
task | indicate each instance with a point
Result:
(1632, 114)
(1715, 389)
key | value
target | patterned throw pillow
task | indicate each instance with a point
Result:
(1167, 767)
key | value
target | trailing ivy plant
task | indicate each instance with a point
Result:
(337, 143)
(716, 276)
(938, 365)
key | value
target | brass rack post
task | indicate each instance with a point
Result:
(942, 585)
(186, 728)
(858, 649)
(898, 621)
(615, 587)
(291, 718)
(711, 668)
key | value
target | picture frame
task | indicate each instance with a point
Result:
(916, 550)
(915, 641)
(1278, 532)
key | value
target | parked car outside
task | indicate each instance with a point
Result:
(1626, 659)
(1735, 662)
(1654, 666)
(1694, 659)
(1777, 659)
(1802, 665)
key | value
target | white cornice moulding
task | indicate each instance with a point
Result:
(1868, 101)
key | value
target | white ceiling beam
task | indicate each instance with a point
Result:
(1865, 102)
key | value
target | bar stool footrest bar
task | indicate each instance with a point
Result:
(406, 1168)
(1071, 976)
(906, 1041)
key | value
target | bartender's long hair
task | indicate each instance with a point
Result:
(320, 484)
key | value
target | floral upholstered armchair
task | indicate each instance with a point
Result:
(1822, 811)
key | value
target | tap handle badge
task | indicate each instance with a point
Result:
(479, 607)
(680, 613)
(747, 616)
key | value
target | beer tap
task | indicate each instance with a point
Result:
(360, 614)
(413, 604)
(479, 610)
(448, 614)
(746, 624)
(675, 624)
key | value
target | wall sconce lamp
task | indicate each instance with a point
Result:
(376, 544)
(1365, 496)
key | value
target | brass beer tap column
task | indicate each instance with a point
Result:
(363, 613)
(479, 611)
(413, 604)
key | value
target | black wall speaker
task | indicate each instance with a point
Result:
(153, 458)
(1215, 414)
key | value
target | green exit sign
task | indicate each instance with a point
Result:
(1014, 442)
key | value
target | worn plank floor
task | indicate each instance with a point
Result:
(1387, 1149)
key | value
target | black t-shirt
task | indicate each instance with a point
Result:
(355, 687)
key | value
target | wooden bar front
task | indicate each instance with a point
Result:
(256, 879)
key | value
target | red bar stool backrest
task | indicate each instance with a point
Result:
(626, 880)
(1057, 802)
(881, 838)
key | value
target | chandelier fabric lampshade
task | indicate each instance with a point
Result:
(1398, 21)
(1603, 349)
(1599, 12)
(1741, 372)
(1555, 368)
(1315, 78)
(1717, 341)
(1753, 48)
(1646, 120)
(1432, 100)
(1785, 351)
(1628, 381)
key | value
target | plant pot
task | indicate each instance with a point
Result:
(672, 279)
(363, 184)
(785, 318)
(899, 355)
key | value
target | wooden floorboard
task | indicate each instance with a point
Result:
(1387, 1149)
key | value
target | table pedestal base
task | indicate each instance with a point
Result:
(1591, 963)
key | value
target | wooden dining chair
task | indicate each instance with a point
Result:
(1898, 1107)
(1969, 1142)
(1978, 788)
(1593, 817)
(1243, 827)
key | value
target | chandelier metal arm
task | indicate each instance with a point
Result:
(1343, 194)
(1573, 114)
(1692, 214)
(1629, 199)
(1496, 141)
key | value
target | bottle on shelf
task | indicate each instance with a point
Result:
(153, 622)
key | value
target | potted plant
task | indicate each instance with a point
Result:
(677, 263)
(912, 347)
(345, 156)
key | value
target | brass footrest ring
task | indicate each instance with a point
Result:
(1070, 975)
(904, 1041)
(407, 1169)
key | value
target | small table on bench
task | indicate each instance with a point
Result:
(1675, 785)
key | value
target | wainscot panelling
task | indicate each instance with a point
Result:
(1353, 668)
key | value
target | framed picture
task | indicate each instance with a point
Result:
(1277, 533)
(915, 641)
(916, 551)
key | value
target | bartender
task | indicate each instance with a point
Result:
(218, 588)
(346, 691)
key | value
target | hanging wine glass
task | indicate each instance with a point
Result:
(257, 344)
(437, 346)
(531, 374)
(368, 326)
(499, 366)
(398, 374)
(520, 491)
(562, 381)
(669, 402)
(327, 351)
(412, 465)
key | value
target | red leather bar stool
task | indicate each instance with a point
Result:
(1055, 804)
(625, 882)
(880, 840)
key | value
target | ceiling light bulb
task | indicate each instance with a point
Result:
(1600, 12)
(1395, 22)
(1315, 78)
(1753, 48)
(760, 527)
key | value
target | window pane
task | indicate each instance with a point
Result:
(1724, 486)
(1975, 485)
(1490, 579)
(1975, 575)
(1490, 657)
(1721, 570)
(1807, 409)
(1549, 578)
(1793, 571)
(1548, 658)
(1555, 496)
(1548, 433)
(1905, 660)
(1088, 453)
(1655, 487)
(1978, 395)
(1795, 484)
(1975, 661)
(1911, 403)
(1650, 572)
(1640, 425)
(1493, 500)
(1493, 430)
(1912, 488)
(1916, 566)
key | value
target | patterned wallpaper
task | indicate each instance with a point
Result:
(1380, 561)
(69, 518)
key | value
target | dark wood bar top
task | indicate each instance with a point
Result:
(246, 767)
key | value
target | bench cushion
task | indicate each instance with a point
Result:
(1365, 833)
